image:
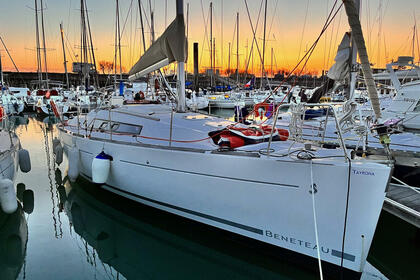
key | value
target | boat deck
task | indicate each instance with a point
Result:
(403, 202)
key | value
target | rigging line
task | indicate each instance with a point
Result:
(309, 54)
(234, 33)
(126, 18)
(206, 39)
(338, 28)
(254, 40)
(325, 48)
(272, 19)
(331, 17)
(303, 28)
(315, 222)
(71, 48)
(8, 53)
(330, 45)
(345, 219)
(145, 15)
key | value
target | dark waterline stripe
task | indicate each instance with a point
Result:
(346, 256)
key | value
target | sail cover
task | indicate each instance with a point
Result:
(170, 47)
(340, 70)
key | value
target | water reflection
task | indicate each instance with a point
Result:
(13, 240)
(137, 242)
(54, 178)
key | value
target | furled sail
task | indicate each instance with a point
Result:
(340, 70)
(170, 47)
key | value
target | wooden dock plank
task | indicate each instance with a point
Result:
(403, 202)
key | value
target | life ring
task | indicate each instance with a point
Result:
(260, 109)
(54, 108)
(141, 95)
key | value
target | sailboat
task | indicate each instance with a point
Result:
(12, 156)
(320, 204)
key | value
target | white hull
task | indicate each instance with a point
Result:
(9, 156)
(260, 198)
(13, 108)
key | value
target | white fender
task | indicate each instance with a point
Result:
(7, 196)
(24, 161)
(101, 166)
(59, 154)
(73, 157)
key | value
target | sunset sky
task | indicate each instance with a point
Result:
(292, 26)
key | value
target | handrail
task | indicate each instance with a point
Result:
(330, 108)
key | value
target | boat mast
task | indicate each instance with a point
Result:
(152, 22)
(119, 37)
(271, 64)
(211, 44)
(188, 23)
(221, 39)
(237, 48)
(263, 54)
(1, 74)
(353, 63)
(83, 43)
(38, 48)
(95, 78)
(142, 26)
(181, 65)
(44, 45)
(229, 60)
(64, 55)
(116, 47)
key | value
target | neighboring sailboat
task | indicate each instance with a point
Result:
(11, 156)
(316, 202)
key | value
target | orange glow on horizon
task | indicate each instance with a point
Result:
(288, 35)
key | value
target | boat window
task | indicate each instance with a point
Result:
(103, 126)
(417, 108)
(126, 128)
